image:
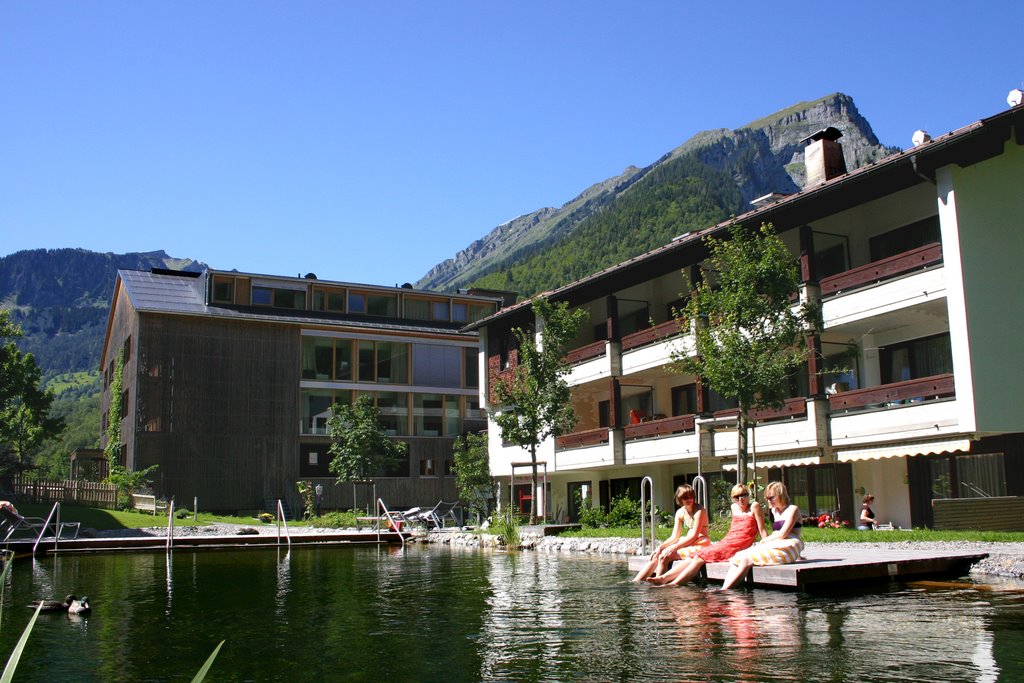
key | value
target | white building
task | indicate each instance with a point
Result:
(916, 262)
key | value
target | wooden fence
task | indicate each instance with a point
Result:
(69, 491)
(999, 513)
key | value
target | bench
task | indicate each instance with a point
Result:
(148, 503)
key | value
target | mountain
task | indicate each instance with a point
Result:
(61, 298)
(713, 175)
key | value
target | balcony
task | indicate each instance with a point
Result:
(590, 437)
(585, 353)
(898, 393)
(894, 266)
(651, 335)
(793, 408)
(662, 427)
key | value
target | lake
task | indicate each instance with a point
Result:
(434, 613)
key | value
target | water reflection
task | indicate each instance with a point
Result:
(445, 614)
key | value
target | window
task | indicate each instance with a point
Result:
(437, 366)
(417, 309)
(289, 298)
(980, 475)
(439, 311)
(427, 467)
(470, 363)
(343, 359)
(356, 303)
(262, 296)
(384, 362)
(684, 399)
(428, 415)
(385, 305)
(317, 357)
(916, 359)
(480, 311)
(394, 412)
(460, 312)
(336, 302)
(223, 290)
(316, 408)
(841, 367)
(905, 239)
(392, 363)
(127, 349)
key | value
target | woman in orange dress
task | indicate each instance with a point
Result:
(692, 516)
(747, 524)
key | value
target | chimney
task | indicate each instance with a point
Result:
(823, 156)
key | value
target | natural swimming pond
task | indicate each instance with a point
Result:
(441, 614)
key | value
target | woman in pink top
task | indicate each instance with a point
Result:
(692, 516)
(747, 524)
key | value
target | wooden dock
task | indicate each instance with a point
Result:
(141, 543)
(826, 565)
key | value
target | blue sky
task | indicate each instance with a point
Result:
(367, 142)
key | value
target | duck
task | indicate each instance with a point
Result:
(71, 604)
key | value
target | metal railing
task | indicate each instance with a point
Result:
(647, 491)
(700, 488)
(281, 520)
(46, 525)
(170, 525)
(391, 521)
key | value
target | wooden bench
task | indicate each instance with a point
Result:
(148, 503)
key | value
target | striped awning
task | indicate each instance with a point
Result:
(781, 460)
(902, 449)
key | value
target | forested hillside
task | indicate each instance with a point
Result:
(711, 176)
(675, 198)
(60, 298)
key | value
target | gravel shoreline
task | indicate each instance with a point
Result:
(1004, 559)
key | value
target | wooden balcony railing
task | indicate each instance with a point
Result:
(792, 408)
(650, 335)
(667, 425)
(925, 389)
(590, 437)
(906, 262)
(578, 355)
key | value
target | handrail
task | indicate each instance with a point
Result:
(46, 525)
(647, 484)
(391, 521)
(700, 489)
(280, 520)
(170, 525)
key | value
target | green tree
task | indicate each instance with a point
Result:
(534, 397)
(749, 339)
(359, 446)
(472, 472)
(25, 419)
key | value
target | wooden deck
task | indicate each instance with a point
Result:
(824, 566)
(136, 543)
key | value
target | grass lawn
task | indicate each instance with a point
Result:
(102, 520)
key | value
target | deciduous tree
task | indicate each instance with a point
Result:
(534, 397)
(749, 336)
(360, 448)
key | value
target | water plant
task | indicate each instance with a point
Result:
(506, 526)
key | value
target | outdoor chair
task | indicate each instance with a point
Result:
(438, 516)
(14, 523)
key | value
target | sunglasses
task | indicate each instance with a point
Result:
(742, 495)
(769, 498)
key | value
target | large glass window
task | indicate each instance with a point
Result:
(343, 359)
(385, 305)
(289, 298)
(262, 296)
(316, 357)
(417, 309)
(460, 312)
(439, 311)
(223, 290)
(470, 362)
(916, 359)
(356, 303)
(437, 366)
(394, 412)
(367, 362)
(316, 408)
(392, 363)
(428, 414)
(480, 311)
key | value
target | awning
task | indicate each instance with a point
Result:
(781, 460)
(899, 450)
